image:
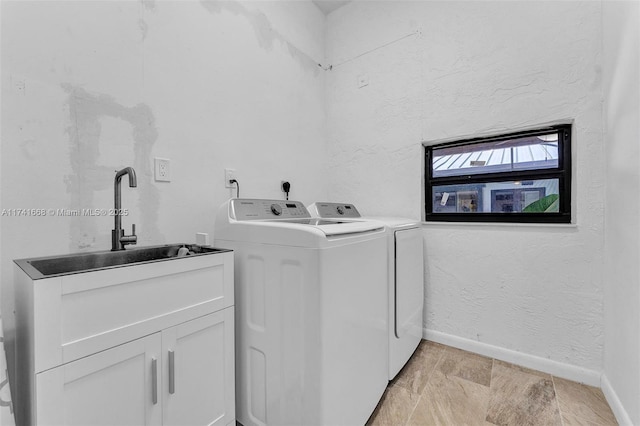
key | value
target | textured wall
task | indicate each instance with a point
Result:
(622, 237)
(90, 87)
(439, 70)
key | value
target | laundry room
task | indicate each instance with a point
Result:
(196, 103)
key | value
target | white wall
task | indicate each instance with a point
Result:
(441, 70)
(90, 87)
(621, 59)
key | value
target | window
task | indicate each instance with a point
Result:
(517, 177)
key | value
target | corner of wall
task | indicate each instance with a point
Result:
(618, 409)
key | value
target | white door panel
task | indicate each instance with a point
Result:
(113, 387)
(409, 281)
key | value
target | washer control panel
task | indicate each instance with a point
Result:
(255, 209)
(332, 210)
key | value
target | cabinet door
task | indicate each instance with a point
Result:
(113, 387)
(199, 383)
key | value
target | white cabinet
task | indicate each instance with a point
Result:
(147, 344)
(183, 375)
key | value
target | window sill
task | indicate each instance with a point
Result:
(502, 224)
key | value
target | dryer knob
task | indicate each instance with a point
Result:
(340, 210)
(276, 209)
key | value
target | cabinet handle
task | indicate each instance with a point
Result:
(154, 381)
(172, 372)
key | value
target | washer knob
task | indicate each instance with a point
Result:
(340, 210)
(276, 209)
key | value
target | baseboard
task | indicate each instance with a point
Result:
(614, 402)
(555, 368)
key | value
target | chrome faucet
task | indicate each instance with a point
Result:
(118, 239)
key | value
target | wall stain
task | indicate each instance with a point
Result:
(266, 35)
(144, 28)
(145, 6)
(85, 112)
(149, 5)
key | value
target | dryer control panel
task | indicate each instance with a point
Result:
(256, 209)
(336, 210)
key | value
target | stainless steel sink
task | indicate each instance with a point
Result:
(44, 267)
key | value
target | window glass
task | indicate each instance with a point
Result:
(529, 153)
(539, 196)
(517, 177)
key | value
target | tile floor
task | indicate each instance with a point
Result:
(441, 385)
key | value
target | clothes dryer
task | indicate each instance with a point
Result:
(405, 280)
(311, 314)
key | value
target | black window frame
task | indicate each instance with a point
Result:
(562, 173)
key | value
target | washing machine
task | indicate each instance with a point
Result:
(311, 313)
(405, 281)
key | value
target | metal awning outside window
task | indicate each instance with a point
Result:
(538, 152)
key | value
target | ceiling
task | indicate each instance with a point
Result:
(328, 6)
